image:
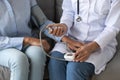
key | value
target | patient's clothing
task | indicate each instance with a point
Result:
(14, 18)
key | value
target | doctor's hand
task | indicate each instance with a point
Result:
(85, 51)
(36, 42)
(57, 29)
(72, 44)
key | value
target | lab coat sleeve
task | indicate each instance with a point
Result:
(112, 25)
(68, 13)
(7, 42)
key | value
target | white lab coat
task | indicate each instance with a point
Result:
(100, 23)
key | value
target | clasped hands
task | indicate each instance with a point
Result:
(82, 50)
(36, 42)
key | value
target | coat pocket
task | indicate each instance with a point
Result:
(102, 6)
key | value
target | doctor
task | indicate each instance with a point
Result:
(89, 28)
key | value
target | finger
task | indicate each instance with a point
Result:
(72, 48)
(83, 56)
(78, 45)
(79, 56)
(54, 31)
(50, 30)
(64, 28)
(50, 26)
(78, 51)
(61, 31)
(58, 31)
(82, 59)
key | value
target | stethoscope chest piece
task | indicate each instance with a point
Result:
(79, 19)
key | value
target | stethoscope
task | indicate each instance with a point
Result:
(78, 19)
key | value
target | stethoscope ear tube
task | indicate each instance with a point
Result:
(78, 19)
(78, 7)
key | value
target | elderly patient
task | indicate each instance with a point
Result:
(20, 50)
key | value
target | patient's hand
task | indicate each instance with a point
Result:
(36, 42)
